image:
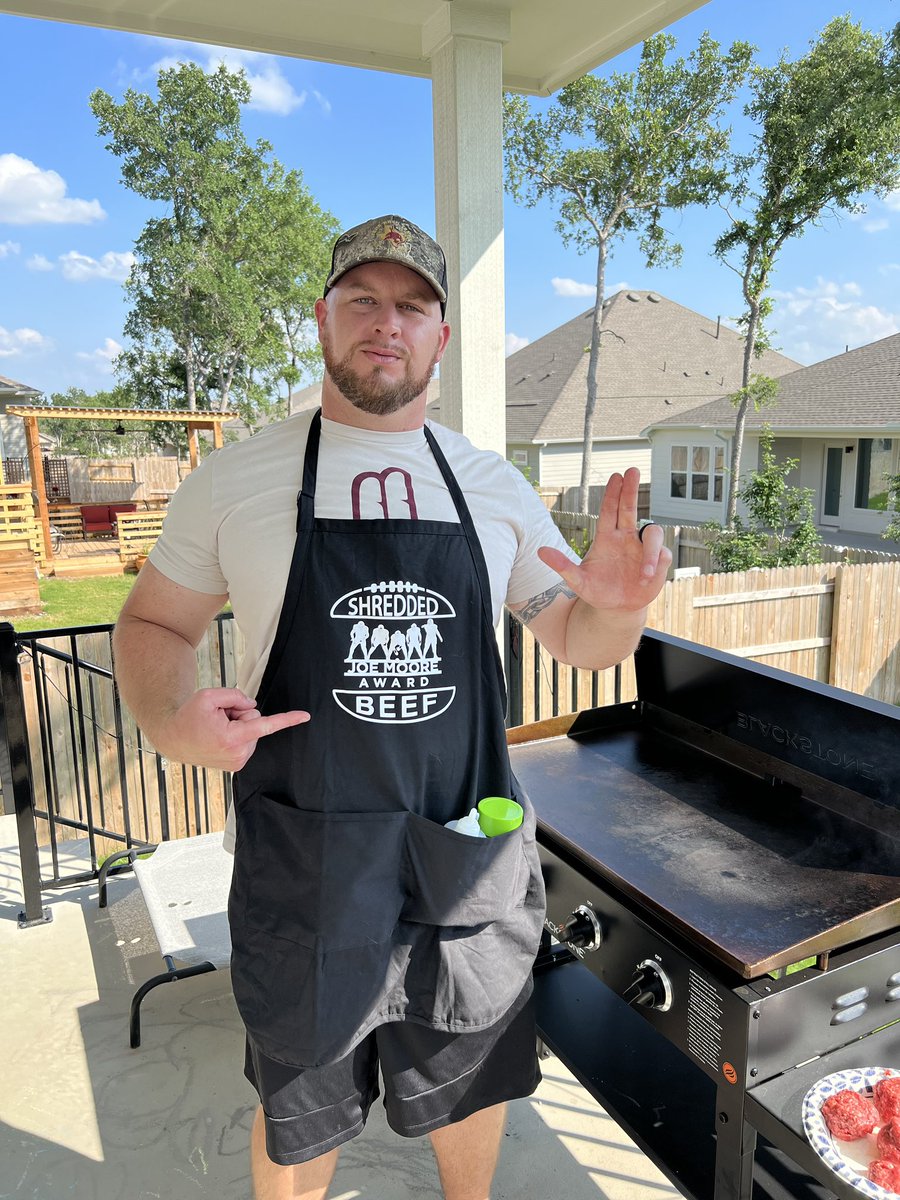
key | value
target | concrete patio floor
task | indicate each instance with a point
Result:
(84, 1116)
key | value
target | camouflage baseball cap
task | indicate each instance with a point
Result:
(390, 239)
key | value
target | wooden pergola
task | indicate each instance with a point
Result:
(32, 414)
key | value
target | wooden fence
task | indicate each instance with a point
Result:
(107, 480)
(836, 623)
(689, 549)
(18, 525)
(138, 532)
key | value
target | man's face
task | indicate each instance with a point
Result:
(382, 336)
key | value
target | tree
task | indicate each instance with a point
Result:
(827, 132)
(780, 530)
(223, 280)
(615, 153)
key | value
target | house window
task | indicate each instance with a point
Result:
(520, 458)
(874, 462)
(697, 472)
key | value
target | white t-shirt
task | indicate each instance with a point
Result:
(231, 525)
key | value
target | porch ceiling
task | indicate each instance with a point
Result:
(548, 46)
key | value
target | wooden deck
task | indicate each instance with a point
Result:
(79, 559)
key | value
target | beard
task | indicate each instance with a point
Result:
(374, 393)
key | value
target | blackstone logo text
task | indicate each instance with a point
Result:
(795, 740)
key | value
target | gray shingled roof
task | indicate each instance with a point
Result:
(657, 358)
(13, 385)
(856, 390)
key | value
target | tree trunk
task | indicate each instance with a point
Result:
(189, 375)
(737, 444)
(593, 370)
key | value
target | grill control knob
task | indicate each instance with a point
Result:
(581, 930)
(650, 987)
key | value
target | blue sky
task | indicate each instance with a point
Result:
(363, 141)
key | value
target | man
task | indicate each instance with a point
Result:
(365, 933)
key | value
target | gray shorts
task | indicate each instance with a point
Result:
(431, 1078)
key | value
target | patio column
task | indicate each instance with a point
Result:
(465, 45)
(193, 449)
(36, 466)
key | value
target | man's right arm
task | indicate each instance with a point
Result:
(154, 651)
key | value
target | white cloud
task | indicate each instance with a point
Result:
(21, 341)
(886, 268)
(571, 287)
(103, 356)
(818, 322)
(79, 268)
(30, 195)
(323, 102)
(876, 225)
(270, 91)
(38, 262)
(514, 342)
(8, 248)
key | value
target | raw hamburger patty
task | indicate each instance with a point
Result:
(885, 1173)
(849, 1115)
(886, 1094)
(889, 1140)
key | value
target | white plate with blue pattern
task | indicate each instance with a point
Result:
(849, 1160)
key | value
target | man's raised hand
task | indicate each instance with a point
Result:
(620, 571)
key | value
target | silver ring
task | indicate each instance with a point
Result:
(641, 528)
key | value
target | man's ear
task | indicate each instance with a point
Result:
(321, 311)
(444, 339)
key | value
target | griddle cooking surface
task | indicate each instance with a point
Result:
(758, 876)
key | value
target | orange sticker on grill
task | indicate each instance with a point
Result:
(729, 1072)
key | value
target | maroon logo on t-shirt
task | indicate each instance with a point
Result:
(382, 477)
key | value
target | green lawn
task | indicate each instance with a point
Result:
(69, 602)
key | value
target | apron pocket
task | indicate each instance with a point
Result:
(329, 880)
(453, 879)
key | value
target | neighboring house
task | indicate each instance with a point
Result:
(839, 417)
(657, 358)
(12, 429)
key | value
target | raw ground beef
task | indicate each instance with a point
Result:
(886, 1094)
(849, 1115)
(885, 1173)
(889, 1140)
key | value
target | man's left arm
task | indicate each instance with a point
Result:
(594, 617)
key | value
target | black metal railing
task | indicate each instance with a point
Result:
(73, 764)
(549, 694)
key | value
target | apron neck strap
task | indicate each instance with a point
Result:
(306, 497)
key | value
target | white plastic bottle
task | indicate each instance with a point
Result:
(468, 824)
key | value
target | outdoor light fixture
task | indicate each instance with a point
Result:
(120, 429)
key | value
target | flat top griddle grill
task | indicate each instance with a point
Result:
(731, 821)
(756, 814)
(756, 874)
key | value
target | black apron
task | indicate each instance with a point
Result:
(351, 904)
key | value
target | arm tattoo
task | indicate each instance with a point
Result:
(537, 604)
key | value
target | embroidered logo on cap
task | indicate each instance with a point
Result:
(392, 234)
(393, 655)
